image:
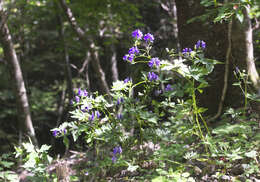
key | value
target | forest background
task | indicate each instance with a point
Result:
(50, 49)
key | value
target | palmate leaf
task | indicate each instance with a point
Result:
(119, 86)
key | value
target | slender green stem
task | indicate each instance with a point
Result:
(135, 85)
(195, 108)
(245, 94)
(205, 124)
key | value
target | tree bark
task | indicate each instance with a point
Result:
(248, 34)
(170, 7)
(20, 90)
(114, 64)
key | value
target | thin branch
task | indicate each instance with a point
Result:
(257, 24)
(224, 90)
(81, 33)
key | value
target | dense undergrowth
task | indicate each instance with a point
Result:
(151, 129)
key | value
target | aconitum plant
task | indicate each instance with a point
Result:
(133, 116)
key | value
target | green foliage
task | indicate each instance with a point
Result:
(6, 168)
(35, 160)
(226, 11)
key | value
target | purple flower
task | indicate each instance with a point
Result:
(77, 99)
(117, 150)
(154, 61)
(92, 117)
(186, 51)
(125, 57)
(65, 131)
(114, 159)
(98, 114)
(200, 44)
(85, 93)
(148, 37)
(55, 133)
(152, 76)
(168, 88)
(80, 93)
(86, 173)
(237, 70)
(129, 57)
(127, 80)
(137, 34)
(133, 50)
(119, 116)
(114, 150)
(118, 101)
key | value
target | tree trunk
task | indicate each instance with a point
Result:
(66, 59)
(170, 7)
(87, 43)
(98, 69)
(114, 64)
(248, 33)
(20, 90)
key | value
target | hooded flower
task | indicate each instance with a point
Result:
(152, 76)
(200, 44)
(148, 37)
(154, 61)
(137, 34)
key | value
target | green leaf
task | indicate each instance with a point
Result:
(44, 148)
(29, 147)
(251, 154)
(7, 164)
(132, 168)
(119, 85)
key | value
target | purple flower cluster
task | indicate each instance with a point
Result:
(116, 150)
(129, 57)
(133, 51)
(149, 37)
(152, 76)
(186, 51)
(93, 115)
(127, 80)
(200, 44)
(80, 94)
(168, 88)
(137, 34)
(119, 100)
(55, 133)
(154, 61)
